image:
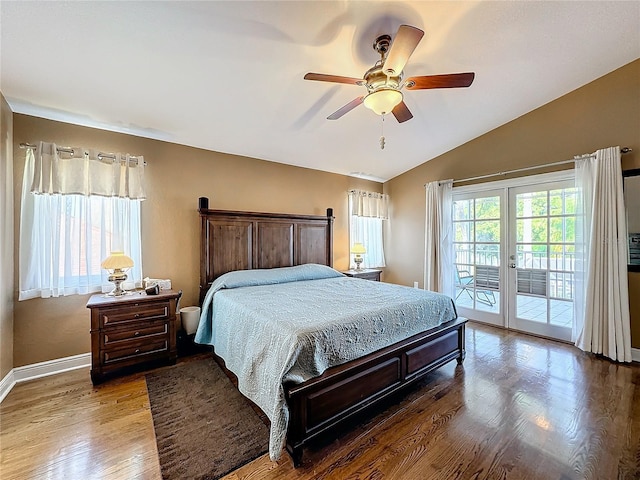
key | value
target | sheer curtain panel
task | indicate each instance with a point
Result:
(602, 323)
(76, 208)
(438, 265)
(367, 211)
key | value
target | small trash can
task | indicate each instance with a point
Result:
(190, 317)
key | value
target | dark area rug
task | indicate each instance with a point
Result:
(204, 427)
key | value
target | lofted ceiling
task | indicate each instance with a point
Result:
(228, 76)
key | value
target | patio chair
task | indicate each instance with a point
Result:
(465, 282)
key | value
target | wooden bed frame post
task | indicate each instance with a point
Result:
(461, 346)
(330, 219)
(295, 437)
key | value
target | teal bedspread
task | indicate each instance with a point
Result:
(291, 324)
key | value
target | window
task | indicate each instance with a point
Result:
(65, 236)
(367, 210)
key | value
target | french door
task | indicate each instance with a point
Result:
(542, 225)
(479, 225)
(515, 253)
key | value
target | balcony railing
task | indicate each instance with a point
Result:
(538, 274)
(564, 261)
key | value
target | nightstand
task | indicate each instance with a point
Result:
(365, 273)
(131, 330)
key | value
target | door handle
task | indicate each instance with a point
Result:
(512, 265)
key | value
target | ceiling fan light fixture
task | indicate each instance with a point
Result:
(383, 101)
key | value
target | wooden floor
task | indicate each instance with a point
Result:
(520, 407)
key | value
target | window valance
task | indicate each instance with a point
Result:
(81, 171)
(369, 204)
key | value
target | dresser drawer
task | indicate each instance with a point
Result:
(135, 349)
(134, 312)
(116, 336)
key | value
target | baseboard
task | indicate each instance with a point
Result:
(635, 354)
(52, 367)
(42, 369)
(6, 384)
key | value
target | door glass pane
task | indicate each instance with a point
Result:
(488, 254)
(561, 285)
(462, 209)
(531, 256)
(562, 229)
(570, 229)
(464, 253)
(487, 208)
(488, 231)
(561, 313)
(487, 300)
(464, 231)
(532, 308)
(464, 285)
(531, 230)
(562, 201)
(531, 204)
(562, 257)
(532, 282)
(556, 229)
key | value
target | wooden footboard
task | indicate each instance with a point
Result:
(325, 401)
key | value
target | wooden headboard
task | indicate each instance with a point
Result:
(244, 240)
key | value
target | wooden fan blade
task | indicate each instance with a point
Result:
(402, 113)
(451, 80)
(347, 108)
(403, 45)
(321, 77)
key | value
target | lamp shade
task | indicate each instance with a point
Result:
(383, 101)
(358, 249)
(116, 260)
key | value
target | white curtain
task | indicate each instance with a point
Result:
(602, 323)
(369, 204)
(367, 211)
(81, 171)
(438, 266)
(71, 219)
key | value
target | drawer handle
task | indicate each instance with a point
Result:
(136, 334)
(137, 350)
(137, 315)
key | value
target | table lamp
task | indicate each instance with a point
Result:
(358, 249)
(116, 264)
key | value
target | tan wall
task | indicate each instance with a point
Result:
(603, 113)
(176, 176)
(6, 238)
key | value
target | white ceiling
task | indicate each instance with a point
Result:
(228, 76)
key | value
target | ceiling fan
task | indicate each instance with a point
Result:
(384, 81)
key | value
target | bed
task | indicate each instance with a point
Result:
(324, 378)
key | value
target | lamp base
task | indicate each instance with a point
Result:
(121, 293)
(358, 259)
(117, 277)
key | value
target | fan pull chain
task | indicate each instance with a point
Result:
(382, 139)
